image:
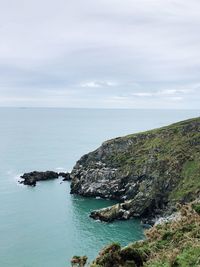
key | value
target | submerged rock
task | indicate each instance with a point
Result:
(31, 178)
(147, 172)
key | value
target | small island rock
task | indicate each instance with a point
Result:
(31, 178)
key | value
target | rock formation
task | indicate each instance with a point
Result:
(147, 172)
(32, 178)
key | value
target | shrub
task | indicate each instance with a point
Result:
(196, 207)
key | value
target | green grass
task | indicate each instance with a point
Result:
(170, 154)
(189, 257)
(190, 181)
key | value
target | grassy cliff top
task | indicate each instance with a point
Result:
(178, 126)
(169, 153)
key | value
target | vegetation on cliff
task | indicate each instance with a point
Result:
(147, 172)
(170, 244)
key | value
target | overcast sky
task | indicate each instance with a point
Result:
(100, 53)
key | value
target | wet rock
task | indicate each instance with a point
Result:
(66, 176)
(32, 178)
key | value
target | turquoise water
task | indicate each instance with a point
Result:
(45, 226)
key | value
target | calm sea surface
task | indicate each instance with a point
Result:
(45, 226)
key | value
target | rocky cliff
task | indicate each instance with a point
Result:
(146, 172)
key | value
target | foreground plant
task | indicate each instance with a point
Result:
(78, 261)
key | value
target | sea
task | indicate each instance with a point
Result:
(44, 226)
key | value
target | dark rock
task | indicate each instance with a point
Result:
(31, 178)
(65, 175)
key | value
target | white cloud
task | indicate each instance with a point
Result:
(90, 84)
(98, 84)
(171, 92)
(142, 94)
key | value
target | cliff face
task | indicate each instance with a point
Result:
(146, 172)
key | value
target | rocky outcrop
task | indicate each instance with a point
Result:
(146, 172)
(32, 178)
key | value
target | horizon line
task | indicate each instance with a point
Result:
(99, 108)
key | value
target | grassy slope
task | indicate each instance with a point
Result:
(171, 152)
(172, 244)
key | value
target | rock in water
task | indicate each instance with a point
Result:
(32, 177)
(66, 176)
(147, 172)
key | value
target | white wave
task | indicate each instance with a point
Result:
(18, 179)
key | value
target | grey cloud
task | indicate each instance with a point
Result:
(135, 53)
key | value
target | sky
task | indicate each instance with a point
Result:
(100, 53)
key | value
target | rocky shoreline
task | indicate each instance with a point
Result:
(31, 178)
